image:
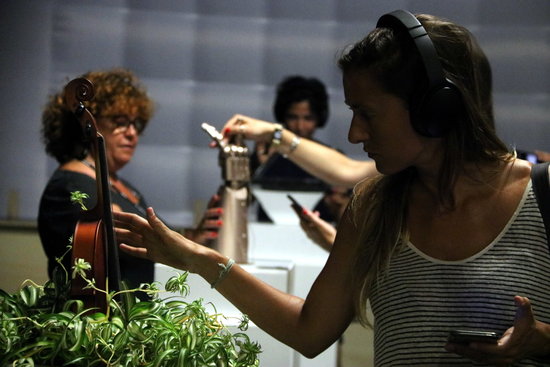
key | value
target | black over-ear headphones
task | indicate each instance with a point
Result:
(442, 101)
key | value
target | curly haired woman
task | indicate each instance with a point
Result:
(122, 110)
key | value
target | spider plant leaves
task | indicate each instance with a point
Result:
(35, 328)
(29, 295)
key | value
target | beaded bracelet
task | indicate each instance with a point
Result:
(224, 269)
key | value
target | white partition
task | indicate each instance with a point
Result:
(274, 353)
(282, 256)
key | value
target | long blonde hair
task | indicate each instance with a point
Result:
(379, 205)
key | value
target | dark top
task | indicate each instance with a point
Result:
(57, 219)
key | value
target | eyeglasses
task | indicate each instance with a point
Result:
(121, 123)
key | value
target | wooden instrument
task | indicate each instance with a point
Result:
(94, 237)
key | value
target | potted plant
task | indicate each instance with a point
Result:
(40, 325)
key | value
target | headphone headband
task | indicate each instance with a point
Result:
(442, 102)
(402, 19)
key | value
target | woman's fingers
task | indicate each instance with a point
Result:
(134, 251)
(128, 237)
(129, 221)
(155, 223)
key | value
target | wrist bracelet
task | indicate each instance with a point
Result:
(293, 145)
(224, 269)
(277, 135)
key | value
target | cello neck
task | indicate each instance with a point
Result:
(77, 91)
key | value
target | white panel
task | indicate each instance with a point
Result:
(511, 13)
(304, 47)
(24, 72)
(285, 242)
(204, 175)
(216, 103)
(229, 49)
(172, 121)
(522, 120)
(160, 173)
(188, 6)
(519, 58)
(365, 11)
(464, 12)
(88, 37)
(161, 44)
(241, 8)
(274, 353)
(302, 9)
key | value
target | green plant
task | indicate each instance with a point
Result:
(147, 333)
(40, 325)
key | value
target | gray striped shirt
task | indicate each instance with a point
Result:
(423, 298)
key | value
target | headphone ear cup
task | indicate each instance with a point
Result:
(438, 111)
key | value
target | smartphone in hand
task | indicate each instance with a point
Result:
(298, 208)
(468, 336)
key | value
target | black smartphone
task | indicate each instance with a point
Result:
(467, 336)
(528, 156)
(298, 208)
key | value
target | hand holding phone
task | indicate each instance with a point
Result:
(468, 336)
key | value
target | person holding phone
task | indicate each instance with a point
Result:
(448, 235)
(317, 229)
(301, 105)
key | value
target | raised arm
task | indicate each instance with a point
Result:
(321, 161)
(309, 326)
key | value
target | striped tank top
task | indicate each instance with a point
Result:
(423, 298)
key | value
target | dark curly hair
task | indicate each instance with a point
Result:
(296, 89)
(117, 91)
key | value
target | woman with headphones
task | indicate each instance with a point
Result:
(449, 235)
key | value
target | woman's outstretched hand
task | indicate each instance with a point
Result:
(151, 239)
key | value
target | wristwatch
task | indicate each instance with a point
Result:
(277, 135)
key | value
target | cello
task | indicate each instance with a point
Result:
(94, 236)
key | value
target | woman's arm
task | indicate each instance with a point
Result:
(321, 161)
(309, 326)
